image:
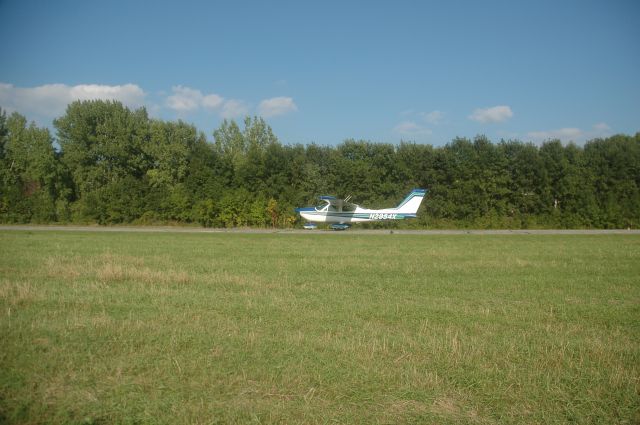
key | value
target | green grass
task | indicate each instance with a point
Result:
(331, 328)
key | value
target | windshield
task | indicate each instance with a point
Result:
(322, 207)
(328, 207)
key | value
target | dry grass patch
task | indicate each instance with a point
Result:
(67, 268)
(111, 272)
(17, 293)
(407, 408)
(453, 408)
(112, 268)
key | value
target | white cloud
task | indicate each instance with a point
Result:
(571, 134)
(51, 100)
(276, 106)
(185, 99)
(212, 101)
(129, 94)
(433, 117)
(490, 115)
(411, 129)
(234, 108)
(567, 134)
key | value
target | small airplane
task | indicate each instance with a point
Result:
(340, 212)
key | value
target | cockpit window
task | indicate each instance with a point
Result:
(322, 207)
(328, 207)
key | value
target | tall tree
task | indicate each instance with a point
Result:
(103, 145)
(31, 176)
(615, 167)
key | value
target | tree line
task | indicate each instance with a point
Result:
(109, 164)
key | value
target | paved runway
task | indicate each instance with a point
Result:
(353, 230)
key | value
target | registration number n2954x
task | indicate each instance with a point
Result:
(382, 216)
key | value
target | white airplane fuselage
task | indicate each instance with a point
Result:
(329, 213)
(357, 216)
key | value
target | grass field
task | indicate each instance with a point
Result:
(336, 328)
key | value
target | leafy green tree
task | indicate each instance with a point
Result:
(527, 182)
(206, 213)
(168, 149)
(565, 198)
(208, 176)
(258, 134)
(4, 131)
(258, 213)
(120, 201)
(245, 151)
(272, 210)
(102, 144)
(615, 170)
(31, 175)
(318, 171)
(229, 210)
(230, 144)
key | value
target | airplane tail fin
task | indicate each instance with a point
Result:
(412, 202)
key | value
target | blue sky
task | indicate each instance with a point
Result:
(326, 71)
